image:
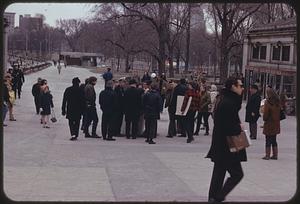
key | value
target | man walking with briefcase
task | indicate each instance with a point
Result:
(226, 123)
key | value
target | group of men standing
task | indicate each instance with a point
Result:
(115, 101)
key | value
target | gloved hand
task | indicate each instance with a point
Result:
(63, 113)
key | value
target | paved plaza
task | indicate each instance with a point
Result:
(44, 165)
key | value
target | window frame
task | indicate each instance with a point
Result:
(259, 47)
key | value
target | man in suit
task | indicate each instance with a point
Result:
(252, 110)
(73, 107)
(132, 108)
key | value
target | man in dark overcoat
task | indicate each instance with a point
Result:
(73, 106)
(132, 108)
(90, 107)
(179, 90)
(119, 110)
(252, 110)
(226, 123)
(107, 101)
(152, 108)
(36, 92)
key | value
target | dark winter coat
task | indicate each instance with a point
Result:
(107, 76)
(5, 94)
(205, 101)
(119, 91)
(253, 106)
(271, 118)
(226, 123)
(36, 90)
(73, 102)
(152, 105)
(179, 90)
(107, 101)
(46, 103)
(146, 77)
(90, 95)
(132, 103)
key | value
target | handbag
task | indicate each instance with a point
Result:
(53, 118)
(237, 142)
(282, 114)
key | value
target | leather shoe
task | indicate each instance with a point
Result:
(95, 136)
(111, 139)
(169, 136)
(151, 142)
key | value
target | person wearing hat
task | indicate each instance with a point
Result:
(73, 107)
(107, 75)
(36, 92)
(252, 110)
(90, 105)
(132, 108)
(107, 101)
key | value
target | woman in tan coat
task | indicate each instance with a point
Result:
(271, 119)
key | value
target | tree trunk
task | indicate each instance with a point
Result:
(171, 68)
(188, 39)
(177, 61)
(127, 63)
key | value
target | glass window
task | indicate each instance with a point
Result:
(276, 53)
(263, 51)
(255, 52)
(285, 53)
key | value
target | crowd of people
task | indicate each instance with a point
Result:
(134, 105)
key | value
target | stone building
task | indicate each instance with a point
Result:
(269, 55)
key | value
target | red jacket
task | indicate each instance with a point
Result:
(196, 99)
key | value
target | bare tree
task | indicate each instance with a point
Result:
(228, 18)
(72, 29)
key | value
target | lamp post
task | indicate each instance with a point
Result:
(6, 24)
(209, 55)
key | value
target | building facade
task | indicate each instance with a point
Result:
(270, 58)
(28, 23)
(10, 17)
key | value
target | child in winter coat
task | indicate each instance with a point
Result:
(46, 105)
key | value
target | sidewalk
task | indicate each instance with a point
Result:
(44, 165)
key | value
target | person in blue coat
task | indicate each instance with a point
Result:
(107, 75)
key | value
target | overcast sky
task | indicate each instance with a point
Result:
(52, 11)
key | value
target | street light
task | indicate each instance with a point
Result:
(209, 55)
(5, 24)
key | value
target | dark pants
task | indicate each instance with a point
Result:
(199, 121)
(37, 104)
(205, 118)
(74, 126)
(83, 120)
(91, 115)
(151, 127)
(107, 125)
(217, 190)
(131, 124)
(253, 130)
(180, 125)
(172, 124)
(118, 122)
(4, 112)
(19, 90)
(188, 124)
(271, 141)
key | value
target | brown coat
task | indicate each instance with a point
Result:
(271, 118)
